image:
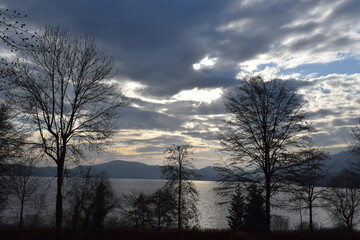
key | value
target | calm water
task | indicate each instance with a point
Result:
(212, 215)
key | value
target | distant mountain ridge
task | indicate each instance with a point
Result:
(137, 170)
(132, 170)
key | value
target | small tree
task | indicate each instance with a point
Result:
(255, 216)
(23, 183)
(103, 202)
(266, 119)
(78, 195)
(178, 171)
(164, 208)
(305, 178)
(342, 199)
(11, 142)
(279, 223)
(90, 199)
(39, 205)
(63, 91)
(236, 216)
(137, 210)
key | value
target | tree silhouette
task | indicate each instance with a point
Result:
(305, 178)
(255, 216)
(11, 142)
(266, 119)
(236, 220)
(90, 198)
(137, 210)
(102, 203)
(23, 183)
(65, 95)
(164, 208)
(178, 171)
(342, 199)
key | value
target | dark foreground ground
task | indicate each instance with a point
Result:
(6, 234)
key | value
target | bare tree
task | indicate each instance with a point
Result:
(164, 205)
(136, 208)
(342, 199)
(11, 141)
(78, 195)
(65, 93)
(23, 183)
(178, 171)
(279, 223)
(305, 178)
(90, 199)
(39, 206)
(266, 120)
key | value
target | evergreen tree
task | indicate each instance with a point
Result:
(103, 202)
(237, 211)
(255, 215)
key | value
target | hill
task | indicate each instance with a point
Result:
(136, 170)
(132, 170)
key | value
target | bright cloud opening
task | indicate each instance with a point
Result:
(199, 95)
(206, 62)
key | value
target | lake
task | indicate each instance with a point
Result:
(212, 215)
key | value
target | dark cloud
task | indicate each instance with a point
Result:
(208, 136)
(190, 108)
(322, 113)
(162, 141)
(157, 42)
(298, 83)
(154, 42)
(143, 119)
(150, 149)
(326, 138)
(344, 122)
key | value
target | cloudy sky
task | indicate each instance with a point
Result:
(177, 58)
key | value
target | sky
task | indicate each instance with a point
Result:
(177, 59)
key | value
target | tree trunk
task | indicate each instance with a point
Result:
(75, 216)
(301, 219)
(311, 227)
(159, 222)
(267, 205)
(21, 221)
(179, 207)
(59, 198)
